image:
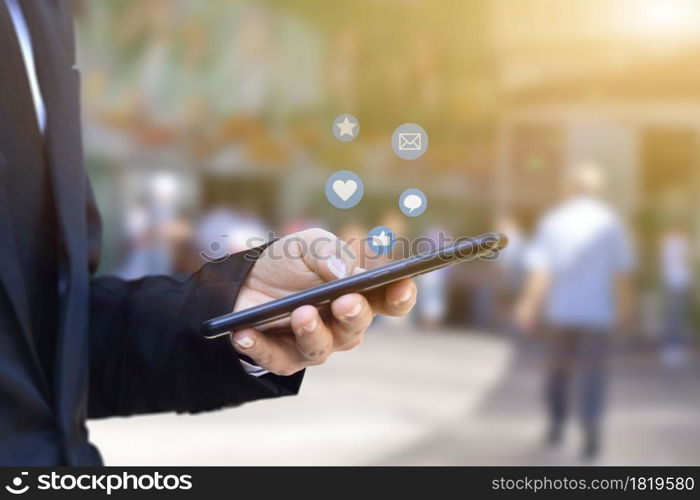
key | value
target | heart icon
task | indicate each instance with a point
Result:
(344, 189)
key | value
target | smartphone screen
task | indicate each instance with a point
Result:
(485, 246)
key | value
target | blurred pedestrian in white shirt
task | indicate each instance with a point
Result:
(578, 265)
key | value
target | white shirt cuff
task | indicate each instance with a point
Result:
(252, 369)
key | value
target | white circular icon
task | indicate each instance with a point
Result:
(413, 202)
(346, 127)
(344, 189)
(381, 240)
(409, 141)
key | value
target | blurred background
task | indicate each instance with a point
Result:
(210, 118)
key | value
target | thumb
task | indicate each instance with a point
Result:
(327, 255)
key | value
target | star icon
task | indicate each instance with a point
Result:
(346, 127)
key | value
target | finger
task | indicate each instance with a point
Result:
(353, 315)
(395, 299)
(314, 340)
(268, 352)
(326, 254)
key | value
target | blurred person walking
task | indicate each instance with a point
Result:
(578, 270)
(676, 277)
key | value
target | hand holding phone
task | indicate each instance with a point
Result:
(264, 309)
(302, 336)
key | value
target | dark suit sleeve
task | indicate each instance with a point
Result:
(147, 354)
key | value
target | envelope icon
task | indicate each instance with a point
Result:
(410, 141)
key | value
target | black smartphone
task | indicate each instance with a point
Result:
(465, 249)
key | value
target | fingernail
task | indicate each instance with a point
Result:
(354, 312)
(311, 327)
(337, 266)
(245, 341)
(407, 296)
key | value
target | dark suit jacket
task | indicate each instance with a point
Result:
(123, 347)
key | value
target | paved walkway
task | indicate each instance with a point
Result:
(409, 398)
(653, 419)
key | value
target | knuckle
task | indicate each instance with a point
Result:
(266, 359)
(316, 355)
(358, 332)
(321, 360)
(357, 325)
(360, 327)
(286, 370)
(316, 233)
(353, 342)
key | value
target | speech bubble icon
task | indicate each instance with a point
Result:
(412, 202)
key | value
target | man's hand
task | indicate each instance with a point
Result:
(298, 262)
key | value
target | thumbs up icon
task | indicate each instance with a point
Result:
(381, 240)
